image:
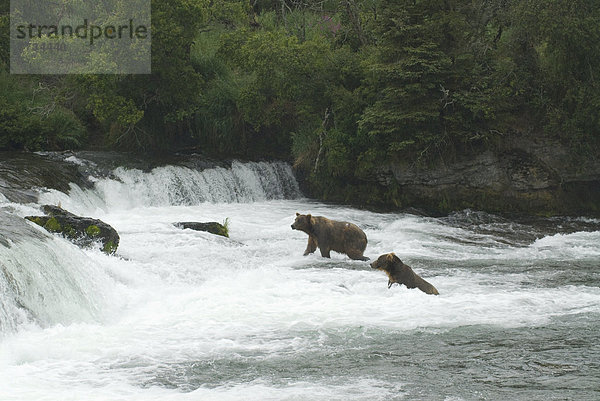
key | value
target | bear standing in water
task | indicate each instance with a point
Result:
(330, 235)
(400, 273)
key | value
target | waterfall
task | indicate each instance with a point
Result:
(172, 185)
(46, 280)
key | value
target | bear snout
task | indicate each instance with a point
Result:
(293, 228)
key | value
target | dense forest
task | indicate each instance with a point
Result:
(338, 87)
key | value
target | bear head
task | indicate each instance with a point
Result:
(303, 223)
(386, 262)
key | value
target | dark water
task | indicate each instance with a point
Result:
(558, 361)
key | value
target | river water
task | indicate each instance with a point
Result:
(185, 315)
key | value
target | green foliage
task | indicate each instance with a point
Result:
(225, 230)
(262, 86)
(32, 117)
(153, 111)
(63, 130)
(429, 83)
(228, 12)
(4, 39)
(568, 49)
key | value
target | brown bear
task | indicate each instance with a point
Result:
(331, 235)
(400, 273)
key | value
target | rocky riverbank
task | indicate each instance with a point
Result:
(523, 176)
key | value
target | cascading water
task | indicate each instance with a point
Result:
(177, 185)
(178, 314)
(46, 280)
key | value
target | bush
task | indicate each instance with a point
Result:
(30, 118)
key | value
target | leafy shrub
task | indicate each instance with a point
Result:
(30, 118)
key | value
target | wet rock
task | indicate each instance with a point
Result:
(525, 177)
(22, 174)
(211, 227)
(83, 231)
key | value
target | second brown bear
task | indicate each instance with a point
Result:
(330, 235)
(400, 273)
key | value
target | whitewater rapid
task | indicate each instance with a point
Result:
(186, 315)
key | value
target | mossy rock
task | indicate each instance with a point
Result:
(69, 231)
(83, 231)
(39, 220)
(211, 227)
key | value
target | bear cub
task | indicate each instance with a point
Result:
(330, 235)
(400, 273)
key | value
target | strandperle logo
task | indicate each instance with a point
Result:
(83, 31)
(80, 37)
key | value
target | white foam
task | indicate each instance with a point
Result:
(79, 162)
(578, 245)
(50, 282)
(175, 185)
(104, 389)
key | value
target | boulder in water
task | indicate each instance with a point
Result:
(211, 227)
(83, 231)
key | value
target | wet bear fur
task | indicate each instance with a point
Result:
(330, 235)
(400, 273)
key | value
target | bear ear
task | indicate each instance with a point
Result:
(297, 214)
(391, 256)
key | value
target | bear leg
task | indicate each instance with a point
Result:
(311, 246)
(325, 252)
